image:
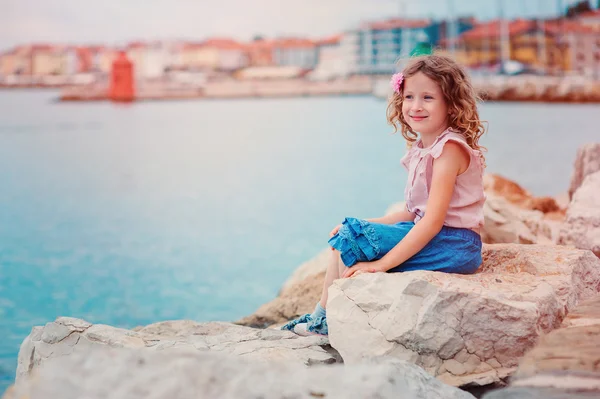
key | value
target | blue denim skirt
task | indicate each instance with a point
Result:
(452, 250)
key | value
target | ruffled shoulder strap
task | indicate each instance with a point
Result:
(476, 157)
(437, 148)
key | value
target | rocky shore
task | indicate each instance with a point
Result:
(538, 89)
(525, 88)
(526, 325)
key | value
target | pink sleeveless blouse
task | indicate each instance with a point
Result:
(466, 204)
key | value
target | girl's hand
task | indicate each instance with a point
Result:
(363, 267)
(334, 232)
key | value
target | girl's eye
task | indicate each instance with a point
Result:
(428, 98)
(408, 96)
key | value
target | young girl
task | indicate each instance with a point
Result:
(434, 104)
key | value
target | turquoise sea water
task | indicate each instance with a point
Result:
(129, 215)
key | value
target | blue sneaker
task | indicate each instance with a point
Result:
(316, 326)
(289, 326)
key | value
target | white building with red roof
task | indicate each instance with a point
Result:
(297, 52)
(590, 18)
(331, 63)
(220, 54)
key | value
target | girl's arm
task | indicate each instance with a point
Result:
(445, 170)
(396, 217)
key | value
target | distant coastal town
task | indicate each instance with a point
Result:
(529, 59)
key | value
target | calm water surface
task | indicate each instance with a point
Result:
(128, 215)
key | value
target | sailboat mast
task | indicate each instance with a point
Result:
(541, 37)
(504, 36)
(450, 28)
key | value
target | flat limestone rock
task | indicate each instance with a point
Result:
(67, 336)
(576, 349)
(587, 162)
(105, 372)
(507, 223)
(564, 363)
(513, 215)
(464, 329)
(582, 226)
(538, 393)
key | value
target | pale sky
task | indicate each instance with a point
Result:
(119, 21)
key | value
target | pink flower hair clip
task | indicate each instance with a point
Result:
(396, 82)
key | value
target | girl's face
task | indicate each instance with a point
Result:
(424, 107)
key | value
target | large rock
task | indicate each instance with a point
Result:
(563, 364)
(574, 347)
(539, 393)
(500, 186)
(464, 329)
(505, 188)
(582, 227)
(586, 163)
(513, 215)
(134, 374)
(66, 336)
(509, 223)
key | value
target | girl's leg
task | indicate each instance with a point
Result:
(335, 269)
(316, 322)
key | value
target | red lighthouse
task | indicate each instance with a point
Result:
(121, 80)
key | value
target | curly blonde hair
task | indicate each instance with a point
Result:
(458, 93)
